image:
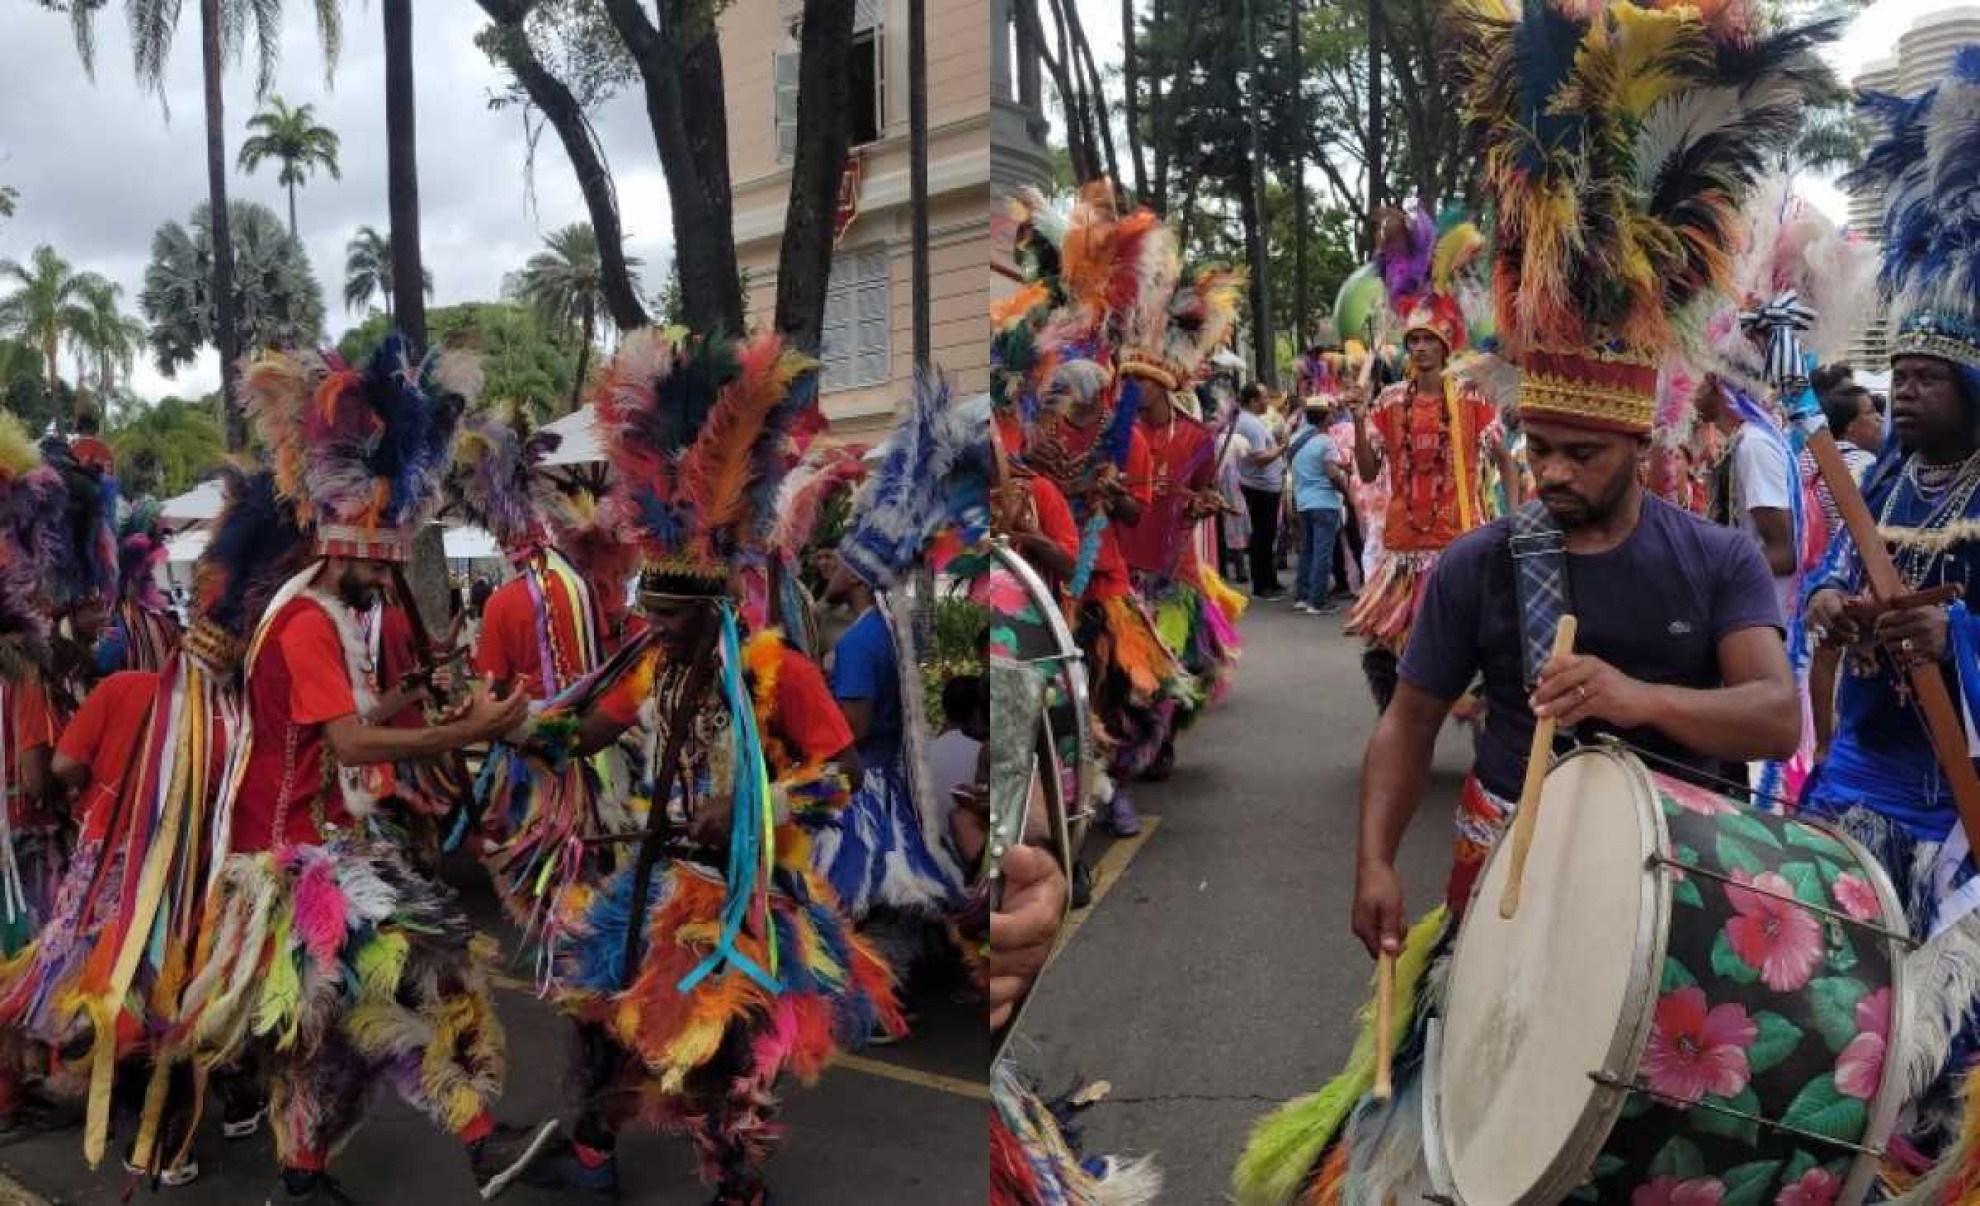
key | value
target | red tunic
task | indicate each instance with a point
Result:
(104, 736)
(1424, 513)
(1180, 456)
(298, 683)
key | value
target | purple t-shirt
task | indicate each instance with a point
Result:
(1655, 607)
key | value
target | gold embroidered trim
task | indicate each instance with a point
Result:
(1931, 540)
(1929, 343)
(1610, 403)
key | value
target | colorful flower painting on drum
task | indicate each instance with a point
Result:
(1696, 1048)
(1856, 897)
(1860, 1067)
(1772, 932)
(1669, 1191)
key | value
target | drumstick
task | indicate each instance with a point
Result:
(1529, 792)
(1385, 1021)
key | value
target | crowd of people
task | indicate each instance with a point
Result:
(224, 839)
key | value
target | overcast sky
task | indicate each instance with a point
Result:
(99, 167)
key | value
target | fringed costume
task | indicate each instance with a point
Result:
(741, 967)
(143, 632)
(1034, 1158)
(1880, 781)
(1600, 165)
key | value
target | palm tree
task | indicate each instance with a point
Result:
(50, 306)
(224, 26)
(565, 286)
(292, 136)
(109, 342)
(368, 270)
(9, 198)
(275, 291)
(402, 171)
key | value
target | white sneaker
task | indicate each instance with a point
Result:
(1302, 605)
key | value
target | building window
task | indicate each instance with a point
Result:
(867, 111)
(857, 342)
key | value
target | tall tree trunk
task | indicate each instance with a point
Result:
(1131, 85)
(1374, 117)
(1264, 354)
(292, 211)
(584, 352)
(818, 164)
(402, 171)
(1082, 52)
(1301, 330)
(226, 324)
(559, 105)
(918, 179)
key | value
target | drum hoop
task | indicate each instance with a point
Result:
(1072, 669)
(1570, 1167)
(1883, 1114)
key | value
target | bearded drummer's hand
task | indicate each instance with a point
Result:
(1829, 619)
(1915, 634)
(1577, 686)
(1378, 908)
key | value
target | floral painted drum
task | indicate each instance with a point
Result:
(1691, 1007)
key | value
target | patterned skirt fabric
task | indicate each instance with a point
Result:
(1388, 604)
(1140, 688)
(876, 853)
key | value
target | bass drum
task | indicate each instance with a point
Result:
(1027, 626)
(1693, 1003)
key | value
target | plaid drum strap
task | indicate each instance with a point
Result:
(1540, 582)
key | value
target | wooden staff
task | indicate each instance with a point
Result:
(1947, 731)
(1529, 793)
(1385, 1024)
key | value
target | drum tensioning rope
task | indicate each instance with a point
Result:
(1609, 1080)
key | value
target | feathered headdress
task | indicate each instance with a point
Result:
(256, 543)
(935, 474)
(23, 623)
(814, 503)
(496, 480)
(1802, 286)
(697, 430)
(75, 514)
(140, 551)
(1404, 247)
(1619, 140)
(1200, 314)
(360, 453)
(1928, 165)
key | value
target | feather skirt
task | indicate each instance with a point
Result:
(1388, 604)
(1140, 687)
(877, 853)
(1034, 1160)
(833, 990)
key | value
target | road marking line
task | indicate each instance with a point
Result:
(954, 1086)
(1106, 873)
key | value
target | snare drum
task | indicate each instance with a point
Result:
(1693, 1004)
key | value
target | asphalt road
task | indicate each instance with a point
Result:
(1216, 976)
(897, 1126)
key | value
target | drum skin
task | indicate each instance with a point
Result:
(1701, 992)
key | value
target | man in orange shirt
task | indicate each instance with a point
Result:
(1431, 434)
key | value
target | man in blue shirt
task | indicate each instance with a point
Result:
(1262, 476)
(1318, 483)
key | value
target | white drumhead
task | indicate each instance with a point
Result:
(1564, 989)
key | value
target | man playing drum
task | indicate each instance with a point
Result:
(1680, 649)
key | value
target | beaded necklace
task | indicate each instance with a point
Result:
(1948, 490)
(1441, 480)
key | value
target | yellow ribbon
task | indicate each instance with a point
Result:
(1461, 467)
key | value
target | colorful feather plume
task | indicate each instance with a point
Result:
(73, 514)
(1404, 244)
(935, 474)
(698, 432)
(364, 448)
(495, 479)
(255, 545)
(1927, 164)
(1618, 140)
(813, 493)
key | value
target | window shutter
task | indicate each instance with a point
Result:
(784, 74)
(868, 14)
(857, 336)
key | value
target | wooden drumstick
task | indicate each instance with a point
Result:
(1529, 792)
(1385, 1021)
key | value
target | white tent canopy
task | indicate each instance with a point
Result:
(583, 442)
(184, 547)
(469, 544)
(197, 505)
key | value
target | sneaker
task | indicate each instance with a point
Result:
(1268, 596)
(561, 1167)
(309, 1189)
(172, 1178)
(1302, 605)
(242, 1119)
(1122, 820)
(1326, 609)
(506, 1152)
(1082, 884)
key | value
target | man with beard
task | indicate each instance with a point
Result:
(1679, 653)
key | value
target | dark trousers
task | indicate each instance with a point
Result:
(1264, 508)
(1347, 553)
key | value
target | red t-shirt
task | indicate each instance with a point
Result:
(1424, 514)
(808, 717)
(30, 723)
(297, 684)
(509, 644)
(1055, 517)
(104, 736)
(1180, 453)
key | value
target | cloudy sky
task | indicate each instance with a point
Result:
(100, 166)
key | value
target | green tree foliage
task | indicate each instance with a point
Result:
(24, 390)
(564, 286)
(368, 270)
(292, 138)
(527, 364)
(167, 447)
(48, 304)
(276, 296)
